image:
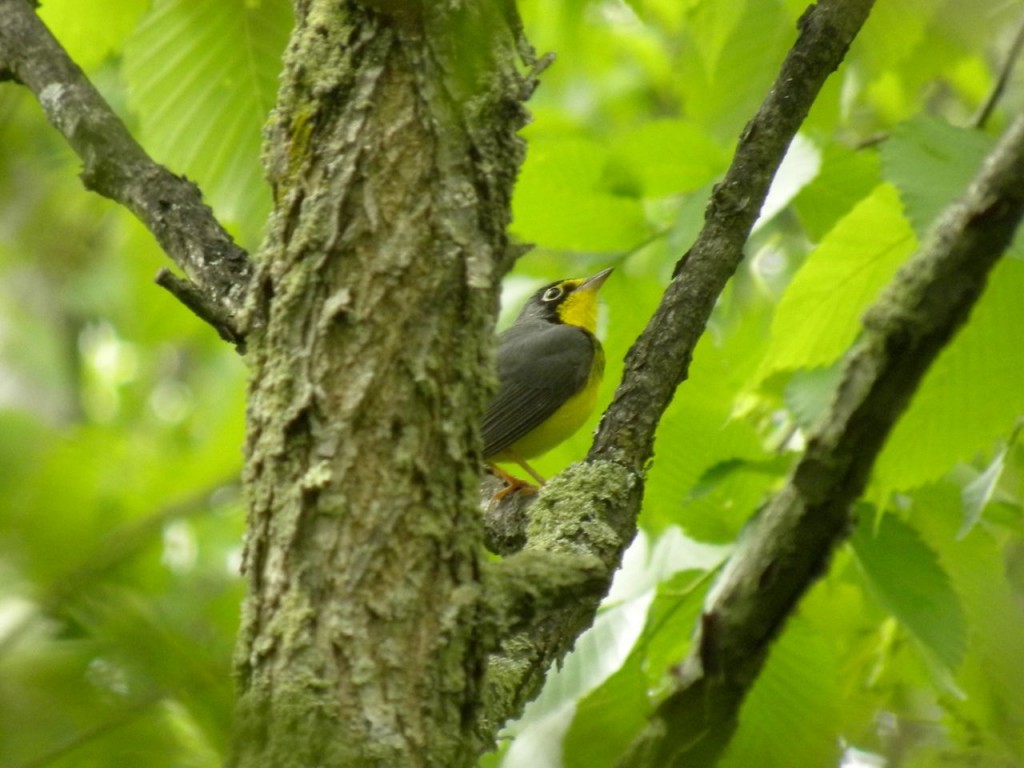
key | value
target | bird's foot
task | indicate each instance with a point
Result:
(513, 484)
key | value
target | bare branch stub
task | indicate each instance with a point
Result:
(185, 291)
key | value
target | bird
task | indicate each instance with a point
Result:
(550, 365)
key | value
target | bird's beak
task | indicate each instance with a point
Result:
(593, 284)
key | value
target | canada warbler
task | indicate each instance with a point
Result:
(550, 365)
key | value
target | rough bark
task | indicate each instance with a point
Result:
(391, 153)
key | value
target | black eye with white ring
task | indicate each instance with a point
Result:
(554, 293)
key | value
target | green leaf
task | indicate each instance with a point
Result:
(202, 76)
(979, 492)
(607, 719)
(972, 395)
(730, 54)
(91, 31)
(931, 163)
(609, 716)
(845, 177)
(668, 156)
(717, 475)
(905, 574)
(809, 393)
(671, 620)
(560, 202)
(714, 24)
(819, 314)
(791, 715)
(980, 566)
(893, 31)
(700, 430)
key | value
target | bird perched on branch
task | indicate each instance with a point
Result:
(550, 366)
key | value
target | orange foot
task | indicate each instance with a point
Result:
(512, 484)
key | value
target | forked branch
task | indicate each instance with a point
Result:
(115, 166)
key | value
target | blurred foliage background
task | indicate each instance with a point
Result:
(121, 415)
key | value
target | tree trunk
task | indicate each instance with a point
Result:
(391, 152)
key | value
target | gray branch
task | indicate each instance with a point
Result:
(115, 166)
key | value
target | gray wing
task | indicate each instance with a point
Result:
(540, 366)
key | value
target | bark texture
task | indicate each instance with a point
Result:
(392, 153)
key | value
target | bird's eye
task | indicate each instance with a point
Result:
(554, 293)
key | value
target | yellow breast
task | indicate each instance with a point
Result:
(564, 422)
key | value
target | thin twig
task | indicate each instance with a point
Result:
(202, 306)
(1012, 55)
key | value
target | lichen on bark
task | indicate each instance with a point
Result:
(371, 330)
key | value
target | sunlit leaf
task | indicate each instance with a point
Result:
(668, 156)
(893, 31)
(91, 30)
(970, 397)
(820, 312)
(560, 202)
(202, 76)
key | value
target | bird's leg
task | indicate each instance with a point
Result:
(522, 463)
(513, 483)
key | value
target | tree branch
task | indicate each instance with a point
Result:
(788, 545)
(980, 118)
(528, 585)
(201, 304)
(592, 507)
(659, 360)
(115, 166)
